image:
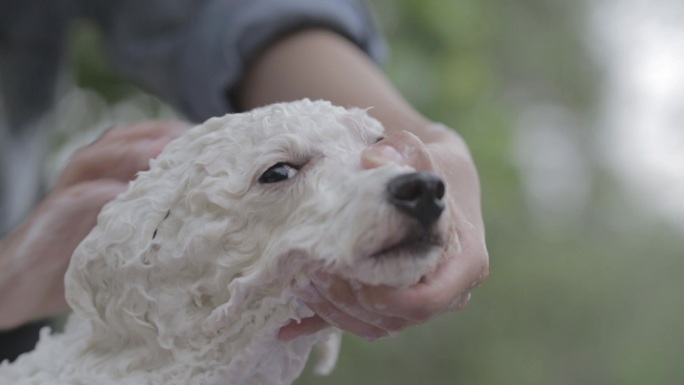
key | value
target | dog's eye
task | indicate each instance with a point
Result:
(278, 173)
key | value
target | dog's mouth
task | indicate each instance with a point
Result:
(414, 245)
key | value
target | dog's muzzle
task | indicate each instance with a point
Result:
(418, 195)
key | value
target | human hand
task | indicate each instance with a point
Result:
(378, 311)
(34, 257)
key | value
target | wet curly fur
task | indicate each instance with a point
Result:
(188, 275)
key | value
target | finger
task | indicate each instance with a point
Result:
(113, 159)
(127, 161)
(380, 155)
(77, 207)
(410, 149)
(144, 130)
(305, 327)
(121, 151)
(337, 317)
(338, 291)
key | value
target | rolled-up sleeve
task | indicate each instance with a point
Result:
(193, 53)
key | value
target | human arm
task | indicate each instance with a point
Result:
(320, 64)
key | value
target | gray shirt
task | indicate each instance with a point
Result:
(190, 53)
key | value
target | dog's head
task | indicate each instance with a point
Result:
(248, 202)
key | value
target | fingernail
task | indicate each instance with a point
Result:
(465, 301)
(382, 154)
(461, 301)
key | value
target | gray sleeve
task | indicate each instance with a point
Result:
(192, 53)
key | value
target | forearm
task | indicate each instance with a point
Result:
(318, 64)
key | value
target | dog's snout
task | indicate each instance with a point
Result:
(419, 195)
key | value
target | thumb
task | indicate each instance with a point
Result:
(381, 154)
(400, 147)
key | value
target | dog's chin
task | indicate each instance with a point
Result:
(412, 245)
(400, 261)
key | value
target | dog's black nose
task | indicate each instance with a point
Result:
(419, 195)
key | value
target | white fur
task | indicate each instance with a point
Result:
(188, 275)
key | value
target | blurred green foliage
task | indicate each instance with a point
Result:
(596, 300)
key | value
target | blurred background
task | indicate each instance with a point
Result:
(574, 112)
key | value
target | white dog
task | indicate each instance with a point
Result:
(188, 276)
